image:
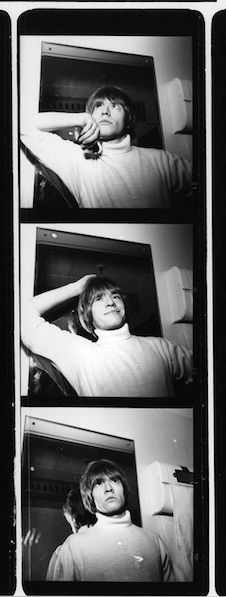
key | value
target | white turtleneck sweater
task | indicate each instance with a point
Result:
(123, 176)
(113, 550)
(118, 364)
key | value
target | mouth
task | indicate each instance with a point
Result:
(105, 122)
(110, 498)
(112, 311)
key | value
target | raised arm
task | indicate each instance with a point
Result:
(52, 121)
(38, 305)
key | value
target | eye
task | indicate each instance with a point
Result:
(98, 104)
(98, 297)
(116, 105)
(98, 482)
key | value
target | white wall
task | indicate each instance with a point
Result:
(159, 434)
(172, 58)
(171, 244)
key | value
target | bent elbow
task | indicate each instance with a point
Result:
(30, 318)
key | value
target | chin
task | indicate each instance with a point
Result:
(116, 325)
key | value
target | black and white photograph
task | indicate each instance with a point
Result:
(106, 122)
(106, 310)
(108, 462)
(107, 497)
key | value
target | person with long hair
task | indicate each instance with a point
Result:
(114, 549)
(80, 520)
(117, 174)
(110, 361)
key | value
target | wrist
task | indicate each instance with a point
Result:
(76, 288)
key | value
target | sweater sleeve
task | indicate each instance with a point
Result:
(62, 566)
(167, 572)
(179, 360)
(61, 156)
(180, 174)
(52, 564)
(59, 346)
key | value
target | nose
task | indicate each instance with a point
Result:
(109, 300)
(107, 485)
(106, 108)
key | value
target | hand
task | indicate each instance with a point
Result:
(30, 550)
(31, 538)
(83, 282)
(90, 131)
(36, 553)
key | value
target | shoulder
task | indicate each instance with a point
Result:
(160, 155)
(151, 152)
(76, 542)
(71, 542)
(47, 335)
(151, 341)
(148, 152)
(149, 537)
(161, 346)
(157, 341)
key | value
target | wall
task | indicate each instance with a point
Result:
(159, 434)
(171, 244)
(172, 58)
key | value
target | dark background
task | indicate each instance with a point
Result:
(219, 289)
(7, 529)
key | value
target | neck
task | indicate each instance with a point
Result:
(113, 522)
(117, 515)
(113, 336)
(114, 140)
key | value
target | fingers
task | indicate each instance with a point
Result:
(89, 133)
(89, 137)
(26, 538)
(32, 536)
(83, 281)
(38, 536)
(88, 277)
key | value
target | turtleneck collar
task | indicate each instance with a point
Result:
(113, 336)
(111, 522)
(111, 148)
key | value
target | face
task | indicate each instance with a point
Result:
(108, 495)
(110, 117)
(108, 310)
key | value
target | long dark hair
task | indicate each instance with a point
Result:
(76, 510)
(117, 95)
(97, 471)
(86, 299)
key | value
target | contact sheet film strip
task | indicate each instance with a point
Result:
(113, 232)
